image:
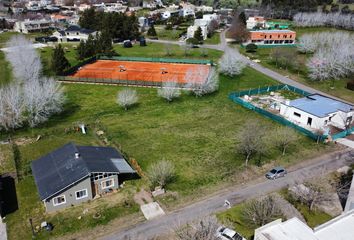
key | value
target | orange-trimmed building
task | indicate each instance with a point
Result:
(272, 37)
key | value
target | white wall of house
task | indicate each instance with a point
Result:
(340, 119)
(337, 119)
(251, 22)
(302, 118)
(31, 26)
(71, 36)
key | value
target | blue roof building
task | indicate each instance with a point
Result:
(318, 111)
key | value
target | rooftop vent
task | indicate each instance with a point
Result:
(77, 155)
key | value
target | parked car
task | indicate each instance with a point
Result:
(276, 172)
(127, 44)
(224, 233)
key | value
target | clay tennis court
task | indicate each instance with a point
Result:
(144, 71)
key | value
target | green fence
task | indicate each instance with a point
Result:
(113, 81)
(235, 97)
(163, 60)
(271, 45)
(270, 89)
(73, 69)
(343, 133)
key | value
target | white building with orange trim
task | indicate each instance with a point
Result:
(272, 37)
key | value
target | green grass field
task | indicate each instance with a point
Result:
(197, 134)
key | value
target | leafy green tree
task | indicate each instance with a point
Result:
(192, 41)
(251, 47)
(59, 61)
(81, 50)
(199, 35)
(152, 32)
(199, 15)
(104, 44)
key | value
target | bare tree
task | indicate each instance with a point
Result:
(204, 52)
(168, 50)
(127, 98)
(284, 137)
(197, 84)
(238, 30)
(312, 192)
(316, 19)
(203, 229)
(251, 140)
(186, 49)
(213, 26)
(169, 91)
(231, 64)
(258, 212)
(161, 173)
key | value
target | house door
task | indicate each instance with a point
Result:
(309, 121)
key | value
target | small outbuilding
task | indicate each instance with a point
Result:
(74, 174)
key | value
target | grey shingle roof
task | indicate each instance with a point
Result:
(59, 169)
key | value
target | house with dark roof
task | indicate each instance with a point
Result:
(74, 174)
(73, 33)
(317, 112)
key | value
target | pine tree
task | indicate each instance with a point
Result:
(198, 34)
(104, 44)
(242, 18)
(81, 50)
(59, 61)
(152, 32)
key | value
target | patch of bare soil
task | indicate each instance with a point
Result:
(143, 197)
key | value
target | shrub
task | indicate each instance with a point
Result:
(350, 85)
(251, 47)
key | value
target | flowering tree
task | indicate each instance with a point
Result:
(195, 83)
(31, 98)
(127, 98)
(169, 91)
(231, 64)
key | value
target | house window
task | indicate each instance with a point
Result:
(270, 36)
(107, 184)
(59, 200)
(297, 114)
(81, 194)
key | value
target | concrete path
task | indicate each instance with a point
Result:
(346, 142)
(3, 233)
(162, 225)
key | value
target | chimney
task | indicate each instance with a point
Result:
(77, 155)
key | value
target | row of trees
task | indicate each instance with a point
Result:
(170, 89)
(101, 43)
(318, 19)
(117, 25)
(333, 54)
(31, 98)
(287, 8)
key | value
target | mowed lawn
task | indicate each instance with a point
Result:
(199, 135)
